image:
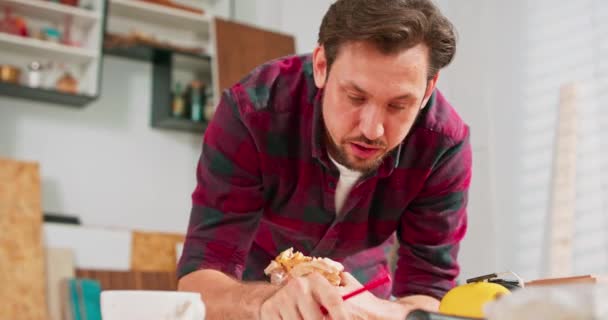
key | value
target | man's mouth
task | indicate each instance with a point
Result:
(364, 151)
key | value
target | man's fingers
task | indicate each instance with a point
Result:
(304, 297)
(290, 312)
(309, 308)
(269, 311)
(327, 296)
(283, 304)
(296, 289)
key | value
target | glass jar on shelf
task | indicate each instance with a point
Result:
(34, 74)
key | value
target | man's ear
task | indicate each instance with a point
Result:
(319, 66)
(430, 87)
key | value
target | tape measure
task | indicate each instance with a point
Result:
(468, 300)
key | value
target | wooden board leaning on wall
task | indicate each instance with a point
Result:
(22, 268)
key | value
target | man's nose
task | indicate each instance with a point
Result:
(371, 122)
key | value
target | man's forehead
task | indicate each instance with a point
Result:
(368, 61)
(400, 88)
(369, 46)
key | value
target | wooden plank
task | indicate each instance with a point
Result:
(22, 274)
(59, 266)
(131, 280)
(563, 186)
(154, 251)
(241, 48)
(584, 279)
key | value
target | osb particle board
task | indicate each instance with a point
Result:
(59, 266)
(22, 268)
(153, 251)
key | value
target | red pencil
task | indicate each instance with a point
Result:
(368, 286)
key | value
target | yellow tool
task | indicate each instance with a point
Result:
(468, 300)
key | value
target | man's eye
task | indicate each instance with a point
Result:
(356, 99)
(397, 106)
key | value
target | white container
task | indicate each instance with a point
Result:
(151, 305)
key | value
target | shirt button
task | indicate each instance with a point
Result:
(331, 184)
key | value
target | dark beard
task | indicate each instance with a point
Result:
(340, 156)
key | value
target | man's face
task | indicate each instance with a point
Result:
(370, 100)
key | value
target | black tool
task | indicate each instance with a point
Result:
(426, 315)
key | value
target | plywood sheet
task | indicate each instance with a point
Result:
(241, 48)
(154, 251)
(22, 269)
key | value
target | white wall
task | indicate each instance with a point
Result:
(104, 162)
(262, 13)
(564, 43)
(510, 73)
(505, 67)
(303, 19)
(298, 18)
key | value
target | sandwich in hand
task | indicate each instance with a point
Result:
(294, 264)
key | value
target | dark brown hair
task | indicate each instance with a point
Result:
(392, 25)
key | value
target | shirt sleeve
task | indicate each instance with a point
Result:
(228, 199)
(433, 226)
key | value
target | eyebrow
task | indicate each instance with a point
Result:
(360, 90)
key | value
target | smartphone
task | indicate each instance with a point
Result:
(425, 315)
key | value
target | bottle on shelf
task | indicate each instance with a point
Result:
(178, 108)
(209, 106)
(196, 103)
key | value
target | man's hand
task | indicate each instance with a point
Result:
(367, 306)
(361, 306)
(421, 302)
(302, 298)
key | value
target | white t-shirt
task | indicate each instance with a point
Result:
(347, 180)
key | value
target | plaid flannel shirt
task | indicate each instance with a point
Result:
(265, 183)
